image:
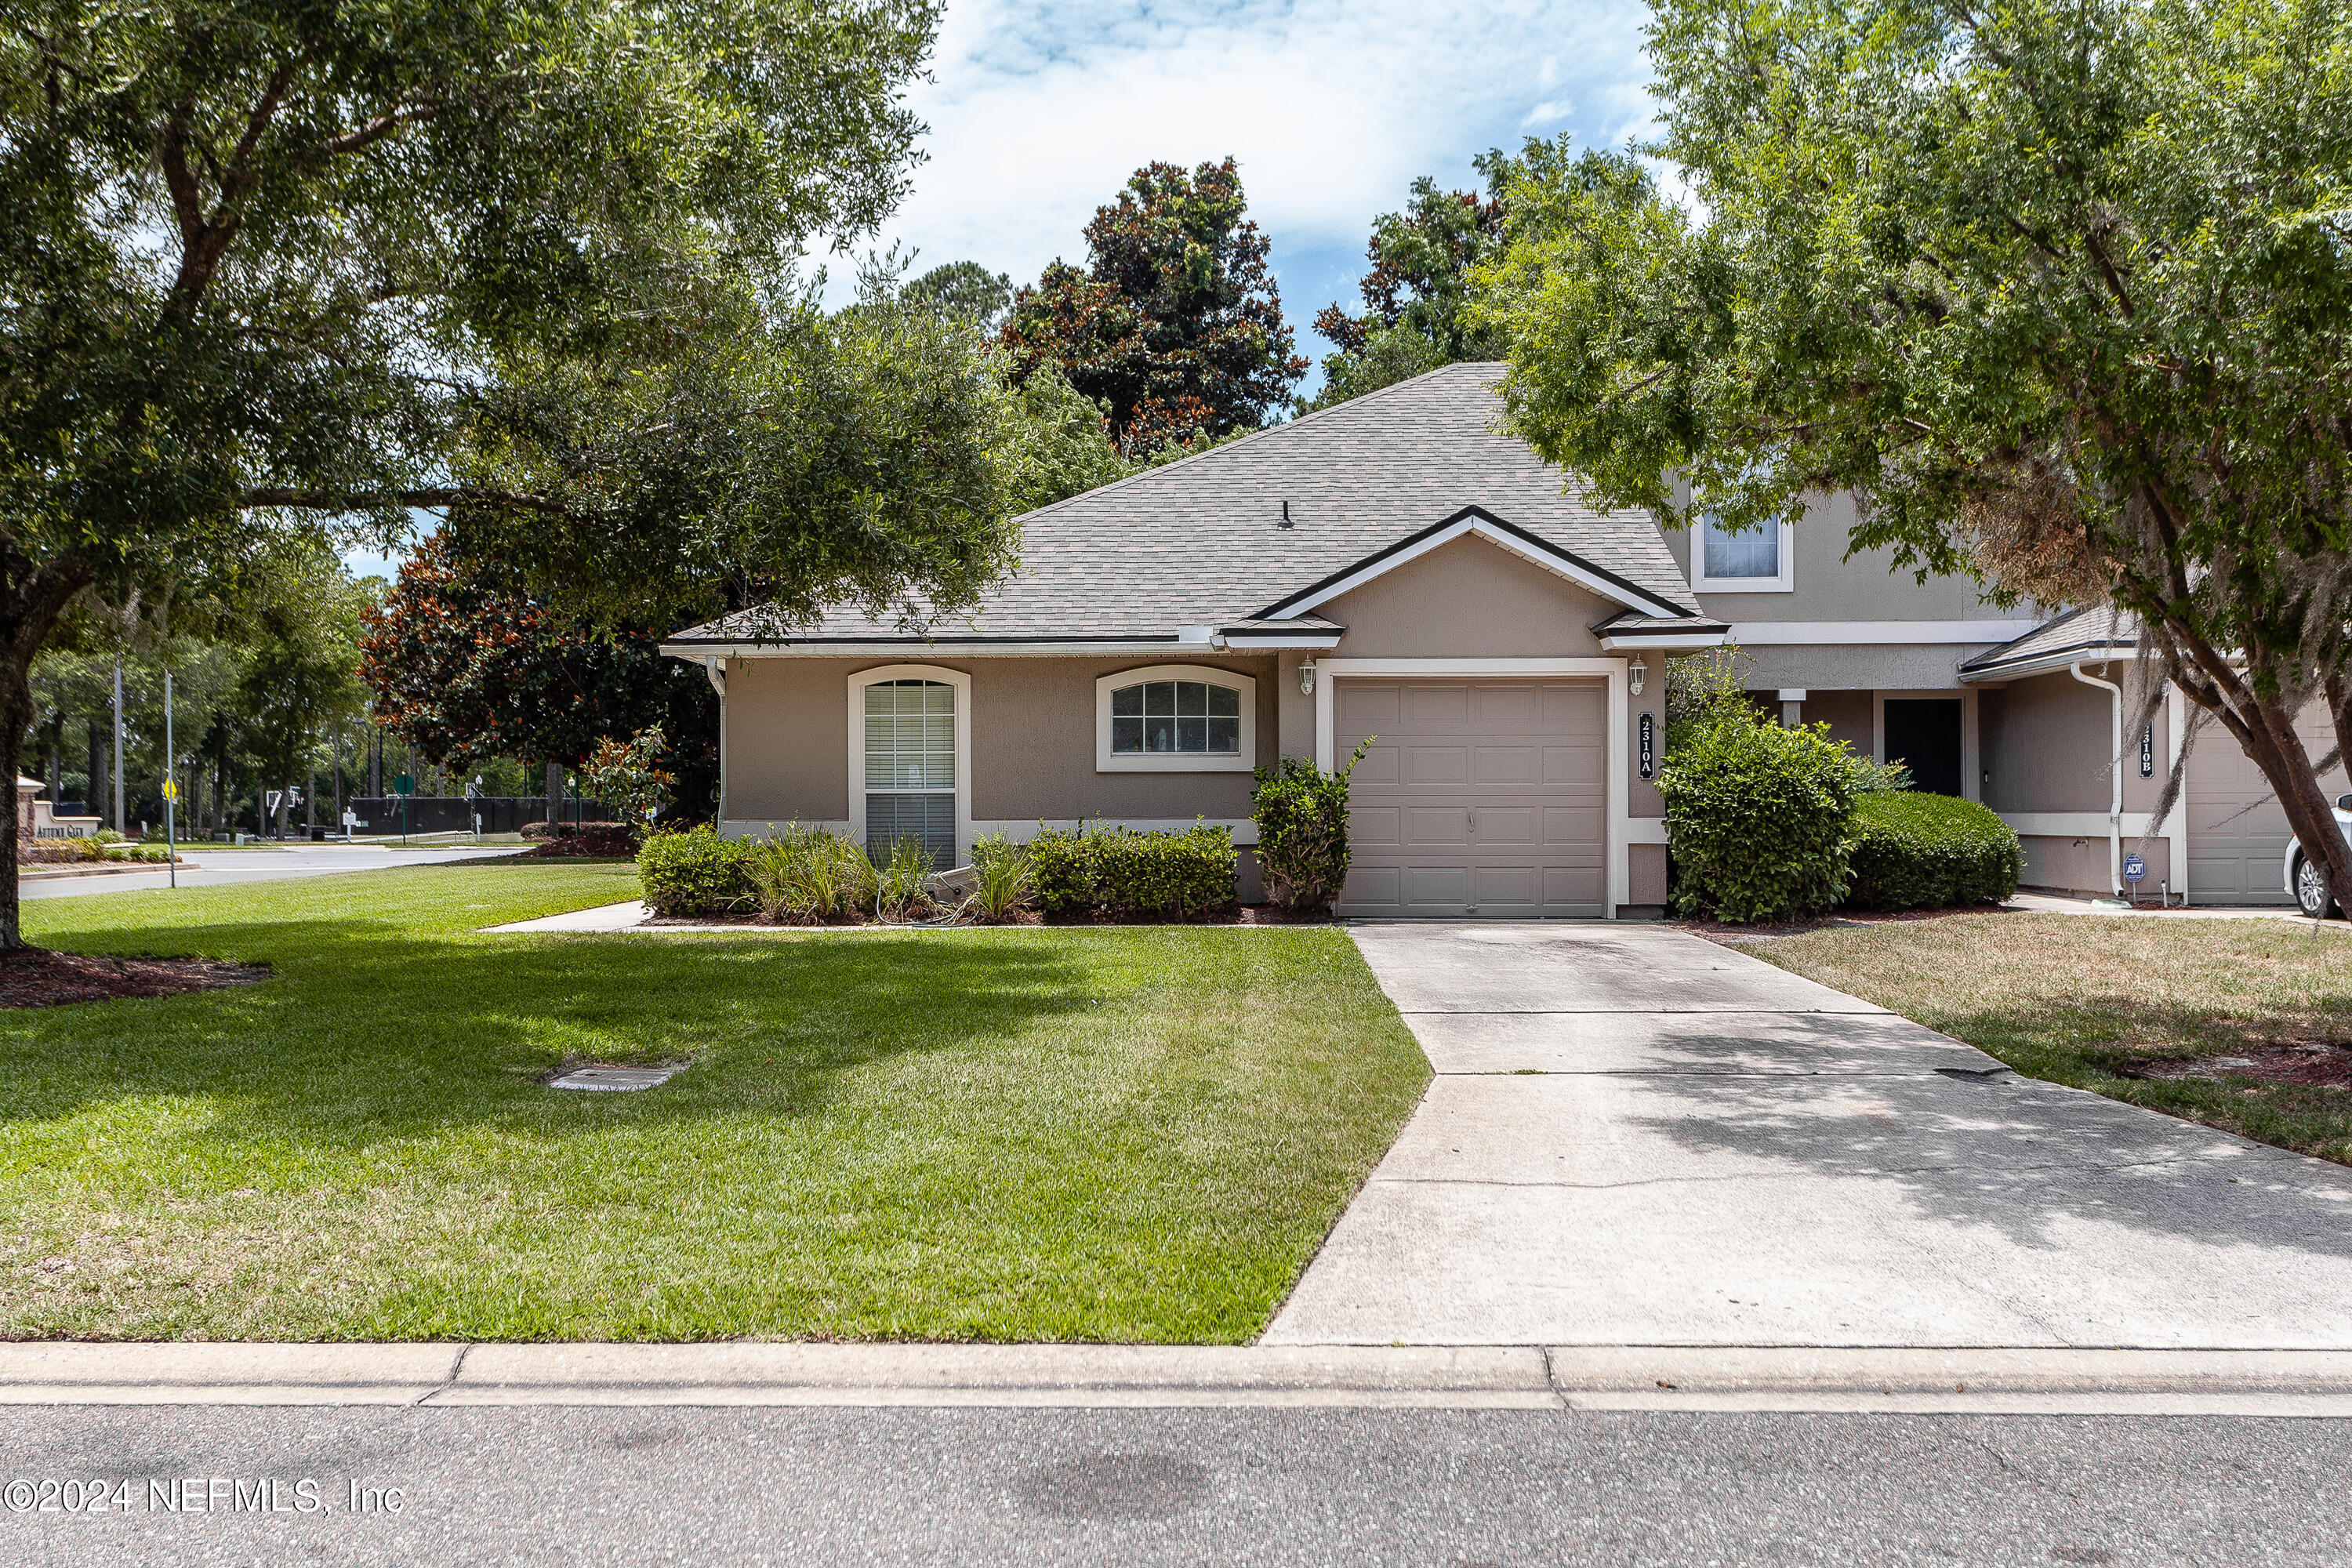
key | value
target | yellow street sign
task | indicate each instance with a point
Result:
(170, 789)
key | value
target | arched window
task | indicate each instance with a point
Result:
(1176, 718)
(909, 775)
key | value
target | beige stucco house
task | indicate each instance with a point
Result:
(1393, 572)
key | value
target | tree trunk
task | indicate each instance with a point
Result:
(2266, 731)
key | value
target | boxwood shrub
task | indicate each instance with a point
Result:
(1915, 851)
(696, 873)
(1167, 875)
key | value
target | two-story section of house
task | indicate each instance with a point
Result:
(1850, 641)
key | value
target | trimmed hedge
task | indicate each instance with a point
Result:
(1120, 872)
(1915, 851)
(1757, 818)
(696, 873)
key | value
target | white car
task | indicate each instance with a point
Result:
(2303, 879)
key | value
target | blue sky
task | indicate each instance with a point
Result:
(1039, 110)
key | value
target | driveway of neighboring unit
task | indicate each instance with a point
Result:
(1639, 1137)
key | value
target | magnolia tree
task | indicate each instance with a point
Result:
(2062, 291)
(628, 778)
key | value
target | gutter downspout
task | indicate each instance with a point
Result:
(715, 668)
(2115, 774)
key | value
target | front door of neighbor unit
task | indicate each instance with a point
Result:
(1924, 734)
(911, 767)
(1487, 798)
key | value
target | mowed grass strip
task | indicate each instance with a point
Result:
(1129, 1135)
(2082, 1000)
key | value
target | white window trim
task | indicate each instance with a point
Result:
(1703, 584)
(1329, 672)
(1108, 762)
(961, 682)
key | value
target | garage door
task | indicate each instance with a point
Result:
(2237, 833)
(1478, 797)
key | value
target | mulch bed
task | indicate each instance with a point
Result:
(1246, 915)
(2312, 1062)
(589, 843)
(39, 977)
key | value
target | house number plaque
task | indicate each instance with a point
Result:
(2147, 753)
(1649, 747)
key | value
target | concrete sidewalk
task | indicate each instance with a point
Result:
(1617, 1377)
(1637, 1137)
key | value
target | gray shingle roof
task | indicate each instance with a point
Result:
(2092, 629)
(1202, 541)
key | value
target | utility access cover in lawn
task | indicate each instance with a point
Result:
(615, 1078)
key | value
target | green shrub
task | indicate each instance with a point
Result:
(1760, 817)
(1062, 866)
(1915, 851)
(1301, 813)
(1164, 874)
(1006, 883)
(803, 874)
(696, 873)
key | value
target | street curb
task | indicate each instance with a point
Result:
(128, 868)
(1985, 1381)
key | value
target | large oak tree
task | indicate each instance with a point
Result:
(261, 261)
(2061, 290)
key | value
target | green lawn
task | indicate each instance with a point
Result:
(2080, 1000)
(1129, 1135)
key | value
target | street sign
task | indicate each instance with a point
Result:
(170, 789)
(2134, 867)
(403, 784)
(273, 798)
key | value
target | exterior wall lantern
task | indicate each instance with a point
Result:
(1635, 674)
(1306, 677)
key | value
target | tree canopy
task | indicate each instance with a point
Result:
(2063, 292)
(263, 266)
(1175, 325)
(1416, 290)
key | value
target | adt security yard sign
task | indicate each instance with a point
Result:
(2135, 869)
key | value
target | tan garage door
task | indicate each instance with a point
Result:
(2237, 833)
(1479, 797)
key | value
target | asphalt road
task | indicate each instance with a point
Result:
(225, 866)
(1353, 1488)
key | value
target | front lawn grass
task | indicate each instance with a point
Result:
(2079, 1000)
(1135, 1134)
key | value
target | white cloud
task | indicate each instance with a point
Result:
(1040, 108)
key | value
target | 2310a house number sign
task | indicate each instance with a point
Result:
(1649, 747)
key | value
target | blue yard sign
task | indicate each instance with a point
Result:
(2134, 867)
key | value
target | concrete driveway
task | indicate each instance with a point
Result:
(1639, 1137)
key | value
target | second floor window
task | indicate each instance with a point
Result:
(1755, 558)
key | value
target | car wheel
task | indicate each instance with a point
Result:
(2310, 891)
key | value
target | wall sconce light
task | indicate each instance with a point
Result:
(1306, 677)
(1636, 674)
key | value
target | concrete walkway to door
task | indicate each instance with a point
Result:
(1637, 1137)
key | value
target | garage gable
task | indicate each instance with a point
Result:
(1469, 598)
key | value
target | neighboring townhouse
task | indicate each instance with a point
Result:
(1394, 572)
